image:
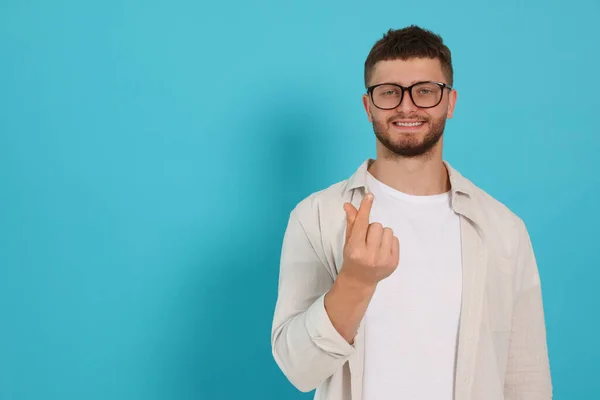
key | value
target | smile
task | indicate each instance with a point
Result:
(417, 123)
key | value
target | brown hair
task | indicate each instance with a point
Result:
(407, 43)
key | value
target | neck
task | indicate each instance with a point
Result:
(418, 176)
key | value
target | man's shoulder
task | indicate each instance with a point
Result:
(499, 222)
(493, 207)
(327, 200)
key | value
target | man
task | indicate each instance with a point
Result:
(406, 281)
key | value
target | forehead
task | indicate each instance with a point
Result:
(407, 72)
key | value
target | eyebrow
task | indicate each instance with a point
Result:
(417, 81)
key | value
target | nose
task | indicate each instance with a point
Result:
(406, 105)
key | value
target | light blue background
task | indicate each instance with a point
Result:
(150, 153)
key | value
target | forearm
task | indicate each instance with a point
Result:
(346, 304)
(528, 369)
(308, 348)
(312, 345)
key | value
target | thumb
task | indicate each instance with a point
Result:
(351, 213)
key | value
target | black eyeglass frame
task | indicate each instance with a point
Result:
(442, 85)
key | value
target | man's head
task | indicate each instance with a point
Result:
(403, 58)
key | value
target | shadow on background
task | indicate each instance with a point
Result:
(226, 334)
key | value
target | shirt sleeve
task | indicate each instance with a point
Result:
(528, 369)
(306, 346)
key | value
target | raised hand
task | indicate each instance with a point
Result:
(371, 252)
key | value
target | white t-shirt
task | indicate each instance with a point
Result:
(411, 324)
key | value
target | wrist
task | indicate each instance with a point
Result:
(353, 284)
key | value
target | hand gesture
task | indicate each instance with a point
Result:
(371, 252)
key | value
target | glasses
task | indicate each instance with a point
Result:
(387, 96)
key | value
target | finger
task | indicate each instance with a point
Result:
(395, 250)
(374, 236)
(350, 218)
(386, 242)
(361, 224)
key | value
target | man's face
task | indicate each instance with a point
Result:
(394, 128)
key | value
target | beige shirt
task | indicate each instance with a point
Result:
(501, 353)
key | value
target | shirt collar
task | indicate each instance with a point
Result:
(460, 187)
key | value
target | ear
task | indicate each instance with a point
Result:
(367, 104)
(451, 103)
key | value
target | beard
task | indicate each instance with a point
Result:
(410, 145)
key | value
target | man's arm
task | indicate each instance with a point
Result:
(528, 368)
(371, 253)
(306, 346)
(316, 319)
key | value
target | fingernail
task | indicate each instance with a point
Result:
(369, 196)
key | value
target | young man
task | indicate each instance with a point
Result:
(406, 281)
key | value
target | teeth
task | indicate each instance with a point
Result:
(408, 123)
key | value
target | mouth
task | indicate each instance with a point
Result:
(408, 124)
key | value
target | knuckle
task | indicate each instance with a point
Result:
(376, 226)
(354, 254)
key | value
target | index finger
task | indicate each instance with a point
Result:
(361, 223)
